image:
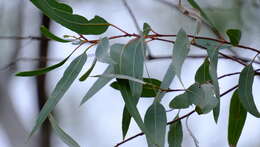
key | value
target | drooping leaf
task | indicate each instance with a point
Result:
(146, 29)
(43, 70)
(126, 119)
(102, 51)
(246, 80)
(202, 74)
(181, 101)
(234, 36)
(100, 83)
(63, 135)
(203, 97)
(62, 86)
(130, 62)
(148, 89)
(175, 134)
(236, 121)
(213, 44)
(156, 121)
(130, 104)
(63, 14)
(212, 50)
(50, 35)
(87, 73)
(180, 51)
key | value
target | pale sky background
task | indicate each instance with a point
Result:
(98, 122)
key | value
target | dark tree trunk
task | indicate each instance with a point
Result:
(45, 133)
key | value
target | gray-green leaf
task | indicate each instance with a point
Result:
(102, 51)
(181, 101)
(63, 135)
(180, 51)
(62, 86)
(246, 80)
(156, 121)
(175, 134)
(236, 121)
(100, 83)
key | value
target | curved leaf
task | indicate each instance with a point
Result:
(43, 70)
(100, 83)
(50, 35)
(85, 75)
(155, 121)
(246, 80)
(175, 134)
(131, 63)
(63, 14)
(62, 86)
(236, 121)
(212, 50)
(234, 36)
(146, 29)
(63, 135)
(180, 51)
(102, 51)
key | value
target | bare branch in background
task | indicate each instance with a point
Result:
(132, 15)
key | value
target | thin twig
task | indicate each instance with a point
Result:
(23, 38)
(132, 15)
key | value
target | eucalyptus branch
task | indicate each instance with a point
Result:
(174, 121)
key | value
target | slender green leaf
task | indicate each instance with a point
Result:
(167, 80)
(246, 80)
(63, 135)
(126, 119)
(202, 74)
(156, 121)
(50, 35)
(85, 75)
(180, 51)
(102, 51)
(181, 101)
(234, 36)
(62, 86)
(63, 14)
(149, 89)
(175, 134)
(100, 83)
(43, 70)
(237, 118)
(130, 104)
(146, 29)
